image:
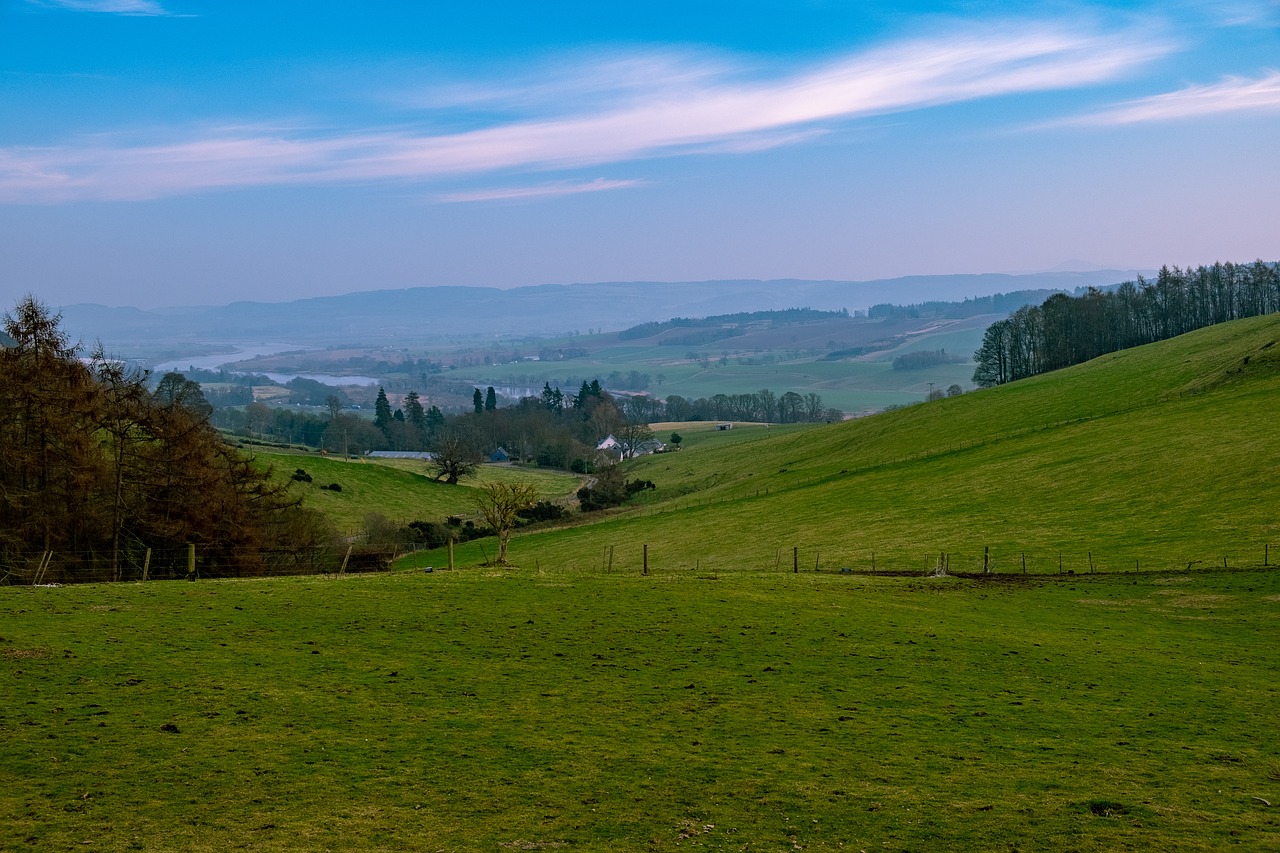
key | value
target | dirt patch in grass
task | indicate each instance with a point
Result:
(1113, 602)
(1105, 808)
(1202, 601)
(531, 845)
(26, 654)
(1182, 579)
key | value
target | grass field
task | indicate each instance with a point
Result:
(795, 364)
(528, 710)
(724, 701)
(1158, 457)
(400, 490)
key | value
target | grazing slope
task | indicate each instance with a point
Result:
(1158, 456)
(737, 706)
(526, 711)
(399, 490)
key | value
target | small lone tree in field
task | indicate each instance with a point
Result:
(499, 504)
(455, 456)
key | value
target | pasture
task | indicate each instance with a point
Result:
(1158, 457)
(400, 490)
(548, 709)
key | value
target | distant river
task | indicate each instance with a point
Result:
(247, 351)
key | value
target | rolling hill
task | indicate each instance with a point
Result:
(1158, 456)
(441, 314)
(724, 702)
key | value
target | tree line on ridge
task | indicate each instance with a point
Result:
(1066, 330)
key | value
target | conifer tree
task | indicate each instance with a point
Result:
(382, 412)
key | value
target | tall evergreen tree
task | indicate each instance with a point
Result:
(382, 412)
(435, 422)
(413, 411)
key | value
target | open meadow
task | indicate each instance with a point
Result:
(400, 490)
(535, 710)
(1158, 457)
(700, 670)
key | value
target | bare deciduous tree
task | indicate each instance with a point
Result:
(499, 504)
(455, 455)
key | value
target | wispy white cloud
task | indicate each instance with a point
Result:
(707, 107)
(114, 7)
(551, 190)
(1232, 95)
(1244, 13)
(591, 80)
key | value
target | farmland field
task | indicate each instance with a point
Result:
(401, 490)
(745, 693)
(547, 709)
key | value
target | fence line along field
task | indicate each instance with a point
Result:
(545, 709)
(1158, 457)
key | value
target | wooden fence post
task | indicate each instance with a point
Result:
(191, 561)
(1024, 562)
(646, 559)
(146, 565)
(450, 553)
(795, 560)
(817, 555)
(42, 567)
(873, 562)
(343, 569)
(610, 558)
(986, 559)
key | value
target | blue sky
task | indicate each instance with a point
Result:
(173, 152)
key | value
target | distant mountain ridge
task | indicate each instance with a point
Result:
(457, 313)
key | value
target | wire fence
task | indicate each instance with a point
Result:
(191, 562)
(980, 562)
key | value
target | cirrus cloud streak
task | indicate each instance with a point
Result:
(1232, 95)
(560, 188)
(111, 7)
(706, 113)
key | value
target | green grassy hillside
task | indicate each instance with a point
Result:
(723, 702)
(399, 490)
(1160, 456)
(786, 359)
(479, 710)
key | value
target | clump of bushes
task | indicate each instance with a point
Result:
(610, 489)
(634, 486)
(543, 511)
